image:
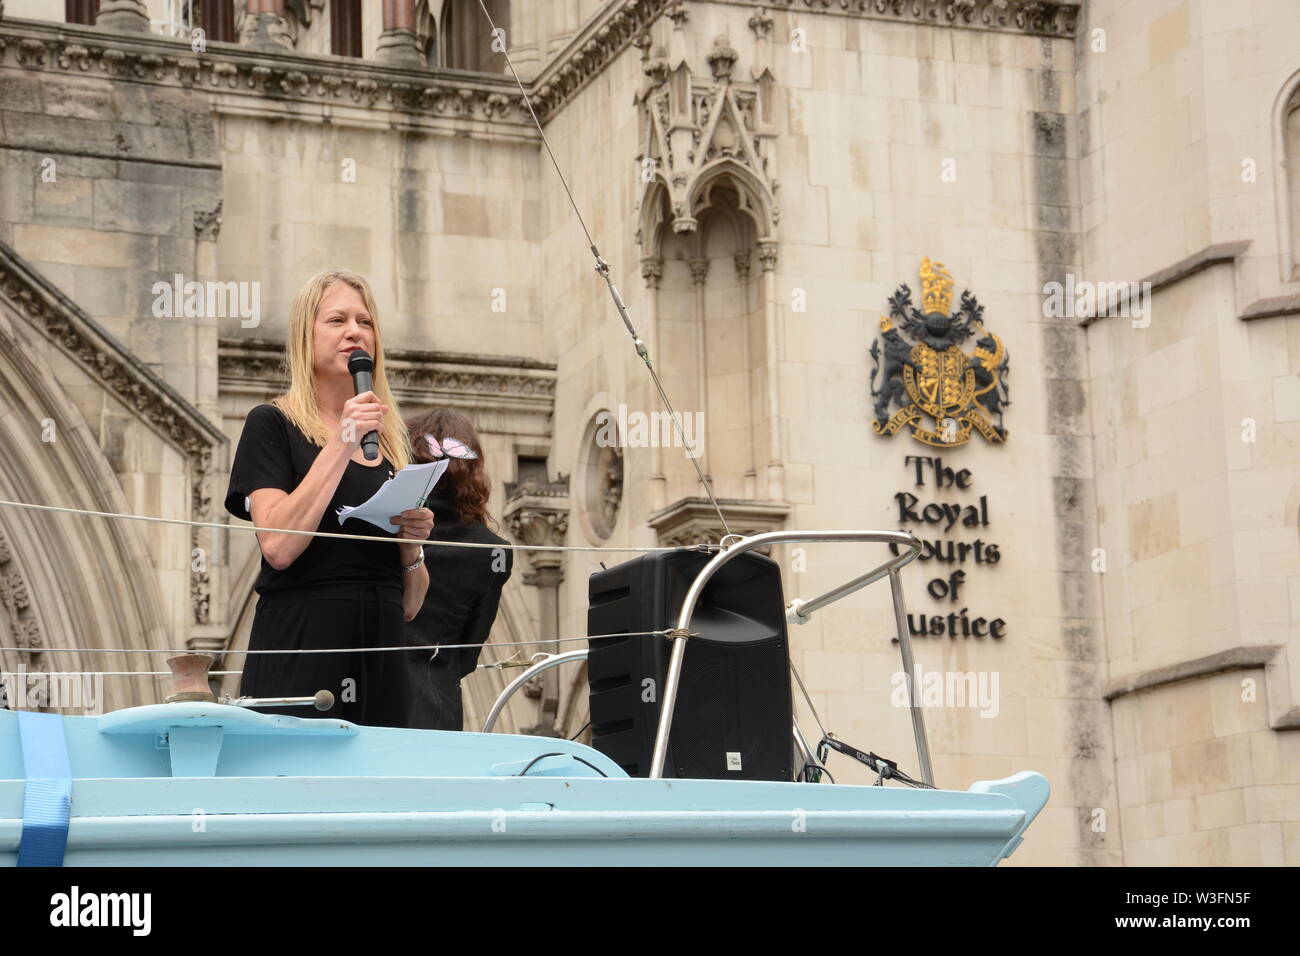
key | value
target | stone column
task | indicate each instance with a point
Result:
(207, 226)
(209, 630)
(398, 44)
(128, 16)
(742, 275)
(699, 275)
(522, 41)
(539, 515)
(652, 270)
(775, 460)
(265, 27)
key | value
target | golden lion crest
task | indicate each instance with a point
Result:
(940, 392)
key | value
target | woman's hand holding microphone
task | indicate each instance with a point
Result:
(362, 414)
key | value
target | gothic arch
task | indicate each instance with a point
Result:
(653, 215)
(1286, 114)
(89, 582)
(753, 197)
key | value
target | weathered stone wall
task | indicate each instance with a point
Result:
(101, 182)
(1195, 421)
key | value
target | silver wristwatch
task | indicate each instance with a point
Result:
(418, 561)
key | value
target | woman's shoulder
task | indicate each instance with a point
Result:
(270, 420)
(267, 411)
(480, 533)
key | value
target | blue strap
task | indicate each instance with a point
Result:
(47, 800)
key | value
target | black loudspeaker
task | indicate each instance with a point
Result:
(734, 714)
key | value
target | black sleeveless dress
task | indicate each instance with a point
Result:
(459, 608)
(336, 594)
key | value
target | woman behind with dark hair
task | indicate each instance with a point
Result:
(464, 583)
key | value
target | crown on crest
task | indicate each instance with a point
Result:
(936, 287)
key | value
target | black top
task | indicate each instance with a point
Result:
(273, 453)
(464, 587)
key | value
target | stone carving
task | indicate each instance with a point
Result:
(30, 53)
(200, 582)
(409, 371)
(276, 72)
(691, 521)
(1038, 17)
(537, 514)
(943, 394)
(652, 270)
(721, 59)
(169, 60)
(609, 486)
(207, 224)
(24, 626)
(698, 131)
(603, 488)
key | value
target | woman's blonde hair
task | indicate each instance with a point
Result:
(300, 403)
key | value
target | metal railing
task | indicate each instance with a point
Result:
(552, 660)
(797, 611)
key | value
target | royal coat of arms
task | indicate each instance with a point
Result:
(940, 392)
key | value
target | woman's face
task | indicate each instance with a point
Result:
(342, 326)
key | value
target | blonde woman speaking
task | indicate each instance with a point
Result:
(299, 459)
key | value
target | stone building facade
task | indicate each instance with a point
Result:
(1114, 184)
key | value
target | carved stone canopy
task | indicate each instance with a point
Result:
(691, 521)
(699, 129)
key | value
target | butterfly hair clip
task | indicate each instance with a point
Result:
(449, 448)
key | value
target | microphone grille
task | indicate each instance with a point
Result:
(360, 361)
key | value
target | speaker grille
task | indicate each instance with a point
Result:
(734, 711)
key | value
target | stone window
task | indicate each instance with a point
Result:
(600, 476)
(1291, 133)
(1286, 166)
(467, 38)
(81, 11)
(217, 18)
(345, 27)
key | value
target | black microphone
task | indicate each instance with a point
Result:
(362, 367)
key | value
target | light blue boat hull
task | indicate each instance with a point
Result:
(213, 785)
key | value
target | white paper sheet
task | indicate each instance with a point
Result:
(405, 490)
